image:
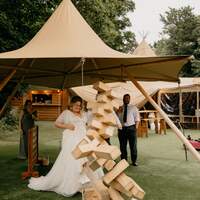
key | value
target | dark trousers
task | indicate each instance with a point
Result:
(125, 135)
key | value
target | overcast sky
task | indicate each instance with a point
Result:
(146, 17)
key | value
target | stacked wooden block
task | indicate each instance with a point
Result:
(102, 155)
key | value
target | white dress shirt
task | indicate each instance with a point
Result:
(133, 115)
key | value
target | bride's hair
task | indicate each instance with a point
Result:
(75, 99)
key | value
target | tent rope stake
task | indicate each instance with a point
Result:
(166, 118)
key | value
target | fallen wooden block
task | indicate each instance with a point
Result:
(87, 148)
(109, 164)
(114, 194)
(97, 183)
(97, 163)
(107, 152)
(120, 188)
(90, 194)
(91, 157)
(77, 152)
(125, 181)
(118, 169)
(101, 87)
(94, 165)
(95, 124)
(101, 161)
(137, 191)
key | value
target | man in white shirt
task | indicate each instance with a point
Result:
(129, 118)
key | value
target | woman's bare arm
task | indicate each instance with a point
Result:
(64, 126)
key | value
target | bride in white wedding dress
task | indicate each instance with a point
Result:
(66, 176)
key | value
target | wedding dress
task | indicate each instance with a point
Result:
(66, 177)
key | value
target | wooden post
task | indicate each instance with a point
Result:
(180, 104)
(198, 108)
(10, 97)
(166, 118)
(6, 79)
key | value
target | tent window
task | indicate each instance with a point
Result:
(189, 105)
(170, 103)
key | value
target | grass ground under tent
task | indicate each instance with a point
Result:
(162, 172)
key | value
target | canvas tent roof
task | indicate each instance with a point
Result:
(89, 94)
(144, 50)
(53, 57)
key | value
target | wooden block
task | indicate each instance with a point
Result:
(120, 188)
(107, 132)
(91, 157)
(96, 124)
(101, 161)
(77, 152)
(93, 134)
(125, 181)
(137, 191)
(116, 171)
(107, 152)
(87, 149)
(101, 87)
(109, 164)
(111, 94)
(94, 165)
(97, 163)
(103, 190)
(114, 194)
(98, 111)
(90, 194)
(97, 183)
(90, 105)
(109, 120)
(102, 98)
(115, 104)
(108, 107)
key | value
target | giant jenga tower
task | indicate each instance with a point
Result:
(102, 155)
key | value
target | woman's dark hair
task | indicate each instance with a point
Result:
(76, 99)
(26, 104)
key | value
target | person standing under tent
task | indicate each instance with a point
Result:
(130, 118)
(66, 176)
(27, 121)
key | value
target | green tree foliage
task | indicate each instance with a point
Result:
(109, 20)
(181, 36)
(21, 19)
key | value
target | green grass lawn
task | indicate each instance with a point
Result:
(162, 172)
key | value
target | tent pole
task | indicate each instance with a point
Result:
(10, 97)
(166, 118)
(181, 119)
(6, 79)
